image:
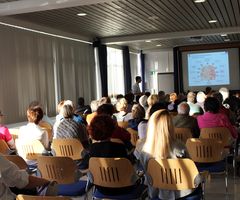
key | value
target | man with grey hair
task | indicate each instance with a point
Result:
(183, 120)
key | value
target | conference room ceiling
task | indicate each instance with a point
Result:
(166, 23)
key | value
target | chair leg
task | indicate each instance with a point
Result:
(226, 181)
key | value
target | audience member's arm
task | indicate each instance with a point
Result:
(11, 144)
(34, 182)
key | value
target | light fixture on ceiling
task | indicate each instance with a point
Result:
(224, 35)
(81, 14)
(226, 40)
(199, 1)
(148, 41)
(212, 21)
(158, 45)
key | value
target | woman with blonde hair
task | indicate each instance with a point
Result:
(161, 144)
(152, 99)
(121, 107)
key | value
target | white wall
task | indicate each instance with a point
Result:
(157, 62)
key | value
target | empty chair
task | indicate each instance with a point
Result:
(134, 136)
(175, 174)
(182, 134)
(114, 179)
(70, 147)
(64, 171)
(29, 197)
(207, 154)
(29, 150)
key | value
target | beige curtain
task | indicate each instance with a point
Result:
(27, 62)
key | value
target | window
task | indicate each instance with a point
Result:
(115, 71)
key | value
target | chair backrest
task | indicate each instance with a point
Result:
(219, 133)
(123, 124)
(182, 134)
(17, 160)
(28, 197)
(172, 174)
(4, 149)
(70, 147)
(60, 169)
(29, 149)
(14, 132)
(47, 127)
(111, 172)
(134, 136)
(205, 150)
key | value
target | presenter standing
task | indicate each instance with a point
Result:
(135, 88)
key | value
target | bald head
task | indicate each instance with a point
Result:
(183, 108)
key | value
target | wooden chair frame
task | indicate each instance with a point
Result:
(29, 197)
(172, 174)
(14, 132)
(4, 148)
(60, 169)
(17, 160)
(207, 151)
(182, 134)
(219, 133)
(70, 147)
(48, 128)
(111, 172)
(29, 150)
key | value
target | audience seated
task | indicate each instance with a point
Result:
(45, 117)
(138, 115)
(5, 134)
(130, 99)
(160, 143)
(173, 99)
(183, 120)
(194, 108)
(152, 99)
(68, 128)
(212, 117)
(94, 105)
(18, 180)
(32, 131)
(121, 107)
(200, 99)
(119, 133)
(82, 109)
(143, 102)
(101, 129)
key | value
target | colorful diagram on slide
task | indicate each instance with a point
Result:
(208, 69)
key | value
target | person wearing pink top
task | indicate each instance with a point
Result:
(213, 118)
(5, 134)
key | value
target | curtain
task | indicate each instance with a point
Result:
(27, 62)
(127, 69)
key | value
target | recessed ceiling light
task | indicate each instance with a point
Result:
(158, 45)
(212, 21)
(148, 41)
(81, 14)
(199, 1)
(224, 35)
(226, 40)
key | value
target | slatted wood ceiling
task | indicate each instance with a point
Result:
(130, 17)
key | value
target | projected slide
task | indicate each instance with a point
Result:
(208, 69)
